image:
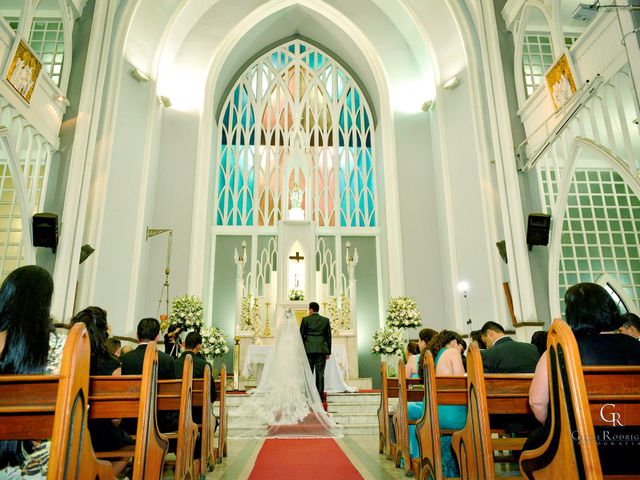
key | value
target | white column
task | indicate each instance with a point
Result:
(82, 159)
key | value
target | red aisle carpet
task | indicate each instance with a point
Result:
(314, 458)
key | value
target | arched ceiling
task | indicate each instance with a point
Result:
(179, 42)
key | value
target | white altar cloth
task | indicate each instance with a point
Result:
(335, 370)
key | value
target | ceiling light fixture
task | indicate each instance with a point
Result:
(139, 76)
(164, 101)
(61, 99)
(452, 83)
(428, 105)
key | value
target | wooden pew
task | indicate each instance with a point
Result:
(55, 407)
(211, 453)
(577, 396)
(133, 396)
(388, 389)
(176, 395)
(487, 394)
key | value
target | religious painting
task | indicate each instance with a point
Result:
(23, 70)
(561, 80)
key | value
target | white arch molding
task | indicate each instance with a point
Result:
(200, 279)
(560, 209)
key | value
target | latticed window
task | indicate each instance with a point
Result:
(47, 41)
(296, 103)
(601, 231)
(537, 57)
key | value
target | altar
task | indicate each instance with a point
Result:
(335, 372)
(289, 270)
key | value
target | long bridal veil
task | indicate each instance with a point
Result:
(286, 402)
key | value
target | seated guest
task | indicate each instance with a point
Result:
(114, 347)
(505, 355)
(476, 336)
(192, 345)
(591, 313)
(132, 362)
(539, 339)
(630, 325)
(106, 435)
(28, 345)
(446, 348)
(425, 335)
(413, 352)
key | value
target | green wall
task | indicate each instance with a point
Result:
(367, 308)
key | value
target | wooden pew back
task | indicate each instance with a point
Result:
(134, 396)
(577, 398)
(427, 427)
(202, 398)
(475, 452)
(389, 389)
(177, 395)
(48, 406)
(401, 422)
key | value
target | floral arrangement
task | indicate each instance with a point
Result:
(295, 294)
(186, 312)
(214, 343)
(387, 341)
(339, 315)
(403, 313)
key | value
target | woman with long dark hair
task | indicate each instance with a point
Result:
(28, 345)
(106, 435)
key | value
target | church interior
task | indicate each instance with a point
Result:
(475, 157)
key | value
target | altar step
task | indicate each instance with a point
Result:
(355, 412)
(358, 383)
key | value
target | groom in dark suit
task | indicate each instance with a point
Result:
(316, 336)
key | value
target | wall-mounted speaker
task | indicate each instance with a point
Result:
(538, 227)
(45, 230)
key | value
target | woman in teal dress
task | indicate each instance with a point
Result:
(446, 347)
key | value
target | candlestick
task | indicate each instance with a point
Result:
(267, 329)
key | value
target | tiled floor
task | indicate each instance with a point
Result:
(362, 450)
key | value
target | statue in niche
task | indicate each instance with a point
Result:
(296, 196)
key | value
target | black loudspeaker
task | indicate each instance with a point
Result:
(502, 250)
(45, 230)
(538, 229)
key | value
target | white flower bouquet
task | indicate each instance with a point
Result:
(387, 341)
(214, 343)
(295, 294)
(186, 312)
(403, 313)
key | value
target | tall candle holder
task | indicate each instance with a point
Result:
(267, 328)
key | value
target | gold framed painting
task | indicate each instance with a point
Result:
(561, 80)
(23, 70)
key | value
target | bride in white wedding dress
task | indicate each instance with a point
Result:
(286, 403)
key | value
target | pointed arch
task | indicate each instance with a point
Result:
(311, 106)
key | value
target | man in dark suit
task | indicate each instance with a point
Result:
(316, 336)
(505, 355)
(192, 345)
(132, 362)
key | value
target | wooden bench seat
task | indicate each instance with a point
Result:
(54, 407)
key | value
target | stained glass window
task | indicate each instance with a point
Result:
(296, 94)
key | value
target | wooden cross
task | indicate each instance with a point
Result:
(296, 257)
